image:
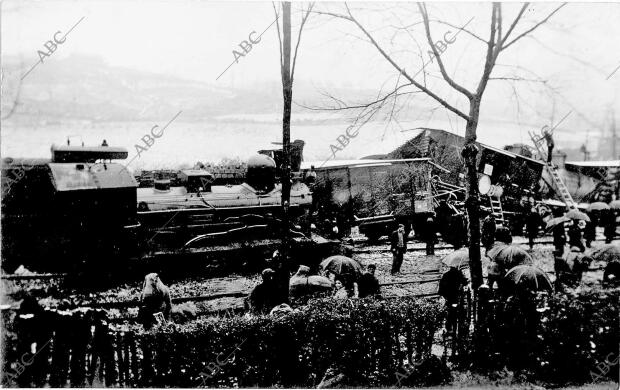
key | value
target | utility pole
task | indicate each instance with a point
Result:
(287, 92)
(614, 136)
(614, 151)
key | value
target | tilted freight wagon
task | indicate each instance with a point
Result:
(375, 195)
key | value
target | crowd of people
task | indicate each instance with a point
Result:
(569, 266)
(278, 289)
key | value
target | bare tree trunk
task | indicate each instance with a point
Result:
(287, 92)
(472, 204)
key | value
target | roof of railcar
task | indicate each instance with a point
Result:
(365, 163)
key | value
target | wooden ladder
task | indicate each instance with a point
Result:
(553, 172)
(497, 210)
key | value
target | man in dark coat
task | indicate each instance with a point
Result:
(548, 135)
(559, 238)
(488, 231)
(264, 297)
(368, 285)
(574, 236)
(155, 299)
(398, 246)
(430, 235)
(461, 230)
(589, 233)
(451, 284)
(532, 224)
(609, 224)
(450, 287)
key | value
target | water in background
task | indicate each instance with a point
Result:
(184, 143)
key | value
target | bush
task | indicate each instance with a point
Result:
(364, 341)
(580, 332)
(564, 338)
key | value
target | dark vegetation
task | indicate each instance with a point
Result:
(350, 342)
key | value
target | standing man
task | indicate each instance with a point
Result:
(574, 236)
(461, 230)
(488, 231)
(548, 135)
(609, 225)
(589, 232)
(559, 238)
(430, 235)
(398, 247)
(451, 288)
(532, 224)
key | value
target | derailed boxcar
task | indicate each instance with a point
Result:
(377, 195)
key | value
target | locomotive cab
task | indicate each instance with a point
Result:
(67, 211)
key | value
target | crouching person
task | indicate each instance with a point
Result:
(155, 299)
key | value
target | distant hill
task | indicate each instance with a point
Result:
(85, 87)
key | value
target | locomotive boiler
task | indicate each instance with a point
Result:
(175, 216)
(258, 191)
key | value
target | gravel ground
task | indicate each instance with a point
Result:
(416, 266)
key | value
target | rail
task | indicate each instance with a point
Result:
(34, 276)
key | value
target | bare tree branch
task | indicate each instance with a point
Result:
(519, 79)
(445, 75)
(460, 28)
(498, 46)
(304, 18)
(533, 28)
(514, 22)
(402, 71)
(343, 106)
(15, 101)
(489, 61)
(279, 37)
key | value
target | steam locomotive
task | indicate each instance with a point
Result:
(80, 208)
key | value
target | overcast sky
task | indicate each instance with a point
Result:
(574, 52)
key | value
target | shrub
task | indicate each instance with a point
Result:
(573, 338)
(579, 332)
(362, 340)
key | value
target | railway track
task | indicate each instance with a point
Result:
(34, 276)
(234, 294)
(209, 297)
(361, 246)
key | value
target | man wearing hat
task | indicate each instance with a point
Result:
(430, 235)
(398, 242)
(264, 297)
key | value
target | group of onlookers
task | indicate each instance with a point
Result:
(269, 293)
(266, 295)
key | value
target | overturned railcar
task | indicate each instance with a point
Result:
(376, 195)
